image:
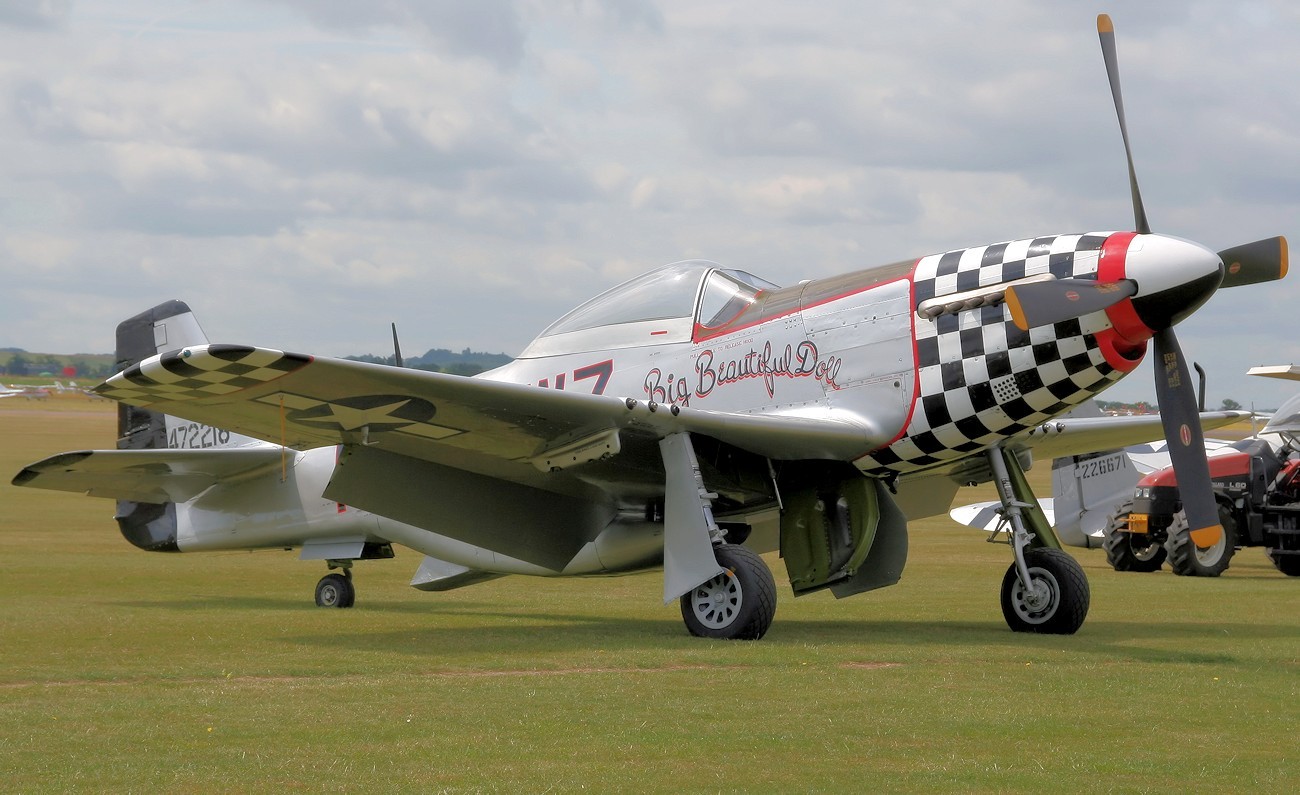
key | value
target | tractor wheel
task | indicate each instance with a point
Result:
(1127, 551)
(1189, 560)
(1287, 564)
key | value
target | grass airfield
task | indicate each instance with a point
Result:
(126, 671)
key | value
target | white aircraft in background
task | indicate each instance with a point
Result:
(38, 391)
(1094, 495)
(29, 392)
(690, 418)
(1086, 488)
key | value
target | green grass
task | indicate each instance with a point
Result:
(126, 671)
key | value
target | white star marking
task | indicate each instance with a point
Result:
(349, 419)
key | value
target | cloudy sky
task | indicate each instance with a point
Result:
(303, 172)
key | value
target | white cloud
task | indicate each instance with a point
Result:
(305, 172)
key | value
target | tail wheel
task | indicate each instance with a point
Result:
(738, 604)
(1127, 551)
(1189, 560)
(1056, 600)
(1287, 564)
(335, 590)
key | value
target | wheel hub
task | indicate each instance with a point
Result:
(717, 601)
(1036, 602)
(1037, 595)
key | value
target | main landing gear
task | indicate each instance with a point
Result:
(335, 590)
(737, 604)
(1044, 589)
(726, 590)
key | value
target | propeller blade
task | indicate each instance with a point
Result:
(1252, 263)
(1182, 424)
(1106, 32)
(1044, 303)
(397, 349)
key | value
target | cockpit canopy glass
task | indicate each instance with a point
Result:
(667, 293)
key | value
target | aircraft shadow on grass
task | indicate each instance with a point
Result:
(556, 632)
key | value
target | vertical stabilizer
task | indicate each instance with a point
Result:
(165, 327)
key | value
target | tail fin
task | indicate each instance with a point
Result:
(165, 327)
(1085, 489)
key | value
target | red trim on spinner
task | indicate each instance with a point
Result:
(1111, 267)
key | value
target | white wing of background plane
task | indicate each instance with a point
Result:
(1080, 435)
(153, 476)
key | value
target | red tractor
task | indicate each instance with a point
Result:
(1257, 486)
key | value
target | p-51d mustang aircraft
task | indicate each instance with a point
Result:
(690, 418)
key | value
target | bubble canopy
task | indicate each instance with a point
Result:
(656, 307)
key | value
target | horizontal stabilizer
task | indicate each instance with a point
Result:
(988, 515)
(153, 476)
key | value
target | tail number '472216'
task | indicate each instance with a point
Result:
(196, 436)
(597, 373)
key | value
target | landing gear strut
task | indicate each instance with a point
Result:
(335, 590)
(726, 590)
(1044, 589)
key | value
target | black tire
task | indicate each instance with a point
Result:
(1065, 605)
(1188, 560)
(1287, 564)
(335, 590)
(1127, 551)
(736, 605)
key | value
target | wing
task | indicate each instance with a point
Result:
(154, 476)
(1080, 435)
(491, 427)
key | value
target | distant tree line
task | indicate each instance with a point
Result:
(15, 362)
(1143, 407)
(20, 363)
(442, 360)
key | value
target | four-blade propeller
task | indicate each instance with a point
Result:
(1161, 294)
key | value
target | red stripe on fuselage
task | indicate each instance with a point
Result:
(916, 362)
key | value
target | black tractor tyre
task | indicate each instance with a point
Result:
(1127, 551)
(1068, 596)
(736, 605)
(1287, 564)
(1188, 560)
